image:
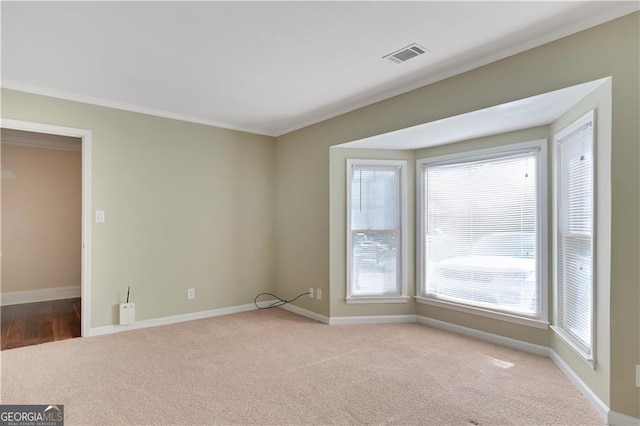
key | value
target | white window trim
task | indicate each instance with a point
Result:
(402, 297)
(562, 335)
(542, 321)
(589, 358)
(353, 300)
(502, 316)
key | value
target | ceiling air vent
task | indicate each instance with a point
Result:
(406, 53)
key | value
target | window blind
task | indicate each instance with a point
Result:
(575, 236)
(480, 225)
(375, 226)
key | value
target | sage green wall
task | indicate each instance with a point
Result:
(302, 255)
(611, 49)
(186, 205)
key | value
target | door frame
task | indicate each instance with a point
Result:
(85, 136)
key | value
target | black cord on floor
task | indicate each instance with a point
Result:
(277, 303)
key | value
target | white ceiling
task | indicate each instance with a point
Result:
(266, 67)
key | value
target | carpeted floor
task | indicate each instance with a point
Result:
(274, 367)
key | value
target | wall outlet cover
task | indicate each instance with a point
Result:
(127, 313)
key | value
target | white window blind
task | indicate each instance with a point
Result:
(481, 232)
(574, 239)
(375, 227)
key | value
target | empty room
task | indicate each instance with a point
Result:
(314, 213)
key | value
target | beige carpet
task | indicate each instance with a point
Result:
(274, 367)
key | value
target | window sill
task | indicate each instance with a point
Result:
(376, 299)
(530, 322)
(567, 341)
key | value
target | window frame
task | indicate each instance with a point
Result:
(402, 274)
(541, 320)
(588, 356)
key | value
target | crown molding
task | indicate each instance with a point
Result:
(70, 96)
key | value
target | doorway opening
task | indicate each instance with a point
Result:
(45, 202)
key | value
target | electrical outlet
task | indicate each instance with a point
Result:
(638, 375)
(191, 293)
(311, 292)
(319, 293)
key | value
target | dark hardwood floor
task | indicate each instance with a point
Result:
(34, 323)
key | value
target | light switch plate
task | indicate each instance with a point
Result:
(99, 216)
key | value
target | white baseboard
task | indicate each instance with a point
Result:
(376, 319)
(619, 419)
(31, 296)
(306, 313)
(597, 404)
(349, 320)
(108, 329)
(487, 337)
